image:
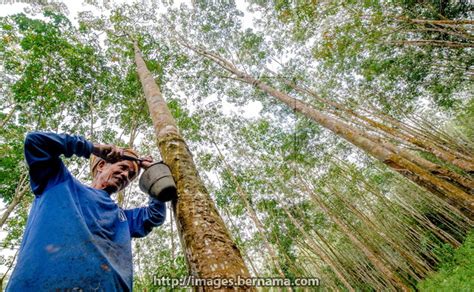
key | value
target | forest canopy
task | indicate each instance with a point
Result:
(327, 139)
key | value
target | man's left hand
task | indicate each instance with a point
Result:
(109, 153)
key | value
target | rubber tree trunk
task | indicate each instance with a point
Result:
(441, 188)
(465, 163)
(455, 196)
(209, 250)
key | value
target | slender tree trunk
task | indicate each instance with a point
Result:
(383, 200)
(442, 22)
(172, 235)
(434, 43)
(418, 265)
(373, 258)
(454, 195)
(465, 184)
(9, 267)
(308, 257)
(245, 254)
(20, 192)
(253, 215)
(8, 117)
(209, 249)
(324, 257)
(465, 163)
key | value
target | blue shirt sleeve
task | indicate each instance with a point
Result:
(142, 220)
(42, 151)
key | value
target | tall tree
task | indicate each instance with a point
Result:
(209, 249)
(383, 151)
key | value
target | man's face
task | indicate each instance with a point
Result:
(115, 176)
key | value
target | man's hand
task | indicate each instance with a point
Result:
(146, 162)
(112, 154)
(109, 153)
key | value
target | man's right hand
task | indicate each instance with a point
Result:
(109, 153)
(146, 162)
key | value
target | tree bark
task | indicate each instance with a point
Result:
(209, 249)
(173, 258)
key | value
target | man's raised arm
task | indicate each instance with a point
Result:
(42, 151)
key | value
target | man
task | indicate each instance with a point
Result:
(76, 237)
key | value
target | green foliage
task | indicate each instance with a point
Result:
(156, 259)
(252, 47)
(464, 121)
(188, 123)
(365, 44)
(11, 160)
(59, 77)
(58, 71)
(436, 9)
(455, 273)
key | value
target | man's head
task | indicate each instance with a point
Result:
(113, 177)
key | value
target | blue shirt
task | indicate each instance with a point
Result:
(76, 236)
